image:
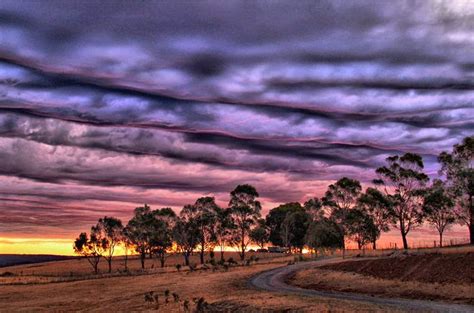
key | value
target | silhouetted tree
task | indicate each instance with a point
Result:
(340, 198)
(109, 228)
(324, 234)
(314, 208)
(204, 214)
(360, 227)
(457, 166)
(223, 228)
(186, 232)
(293, 229)
(245, 210)
(260, 234)
(163, 238)
(275, 219)
(378, 206)
(127, 245)
(438, 206)
(148, 234)
(92, 248)
(404, 180)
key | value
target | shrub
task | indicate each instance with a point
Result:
(175, 297)
(186, 305)
(178, 267)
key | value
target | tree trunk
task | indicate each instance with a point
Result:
(471, 222)
(186, 258)
(242, 244)
(440, 239)
(109, 261)
(404, 238)
(126, 260)
(222, 254)
(374, 244)
(162, 260)
(201, 255)
(142, 259)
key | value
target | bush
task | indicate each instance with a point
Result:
(201, 304)
(178, 267)
(175, 297)
(231, 261)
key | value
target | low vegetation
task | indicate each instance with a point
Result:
(447, 277)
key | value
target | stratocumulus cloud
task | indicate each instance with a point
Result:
(104, 105)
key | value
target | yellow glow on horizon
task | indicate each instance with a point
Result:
(36, 246)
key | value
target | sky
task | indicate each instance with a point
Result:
(106, 105)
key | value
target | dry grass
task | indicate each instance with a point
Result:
(322, 279)
(225, 291)
(80, 266)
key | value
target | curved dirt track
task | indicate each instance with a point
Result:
(274, 280)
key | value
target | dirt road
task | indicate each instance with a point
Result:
(274, 280)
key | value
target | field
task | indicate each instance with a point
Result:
(70, 285)
(447, 277)
(48, 290)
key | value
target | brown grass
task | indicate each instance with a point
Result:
(225, 291)
(446, 277)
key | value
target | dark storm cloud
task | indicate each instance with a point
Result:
(166, 98)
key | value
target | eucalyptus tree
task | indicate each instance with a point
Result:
(341, 197)
(91, 247)
(186, 232)
(314, 208)
(293, 229)
(148, 234)
(458, 168)
(360, 227)
(204, 213)
(439, 208)
(223, 228)
(163, 236)
(275, 221)
(260, 234)
(110, 228)
(403, 180)
(245, 211)
(324, 234)
(379, 207)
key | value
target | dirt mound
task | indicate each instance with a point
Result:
(430, 268)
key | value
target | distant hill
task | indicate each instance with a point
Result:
(18, 259)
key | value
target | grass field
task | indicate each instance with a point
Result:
(447, 277)
(224, 290)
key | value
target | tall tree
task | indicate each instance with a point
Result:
(293, 229)
(275, 219)
(92, 248)
(186, 232)
(260, 234)
(340, 198)
(245, 210)
(361, 227)
(314, 208)
(205, 208)
(223, 228)
(438, 206)
(457, 166)
(403, 180)
(378, 206)
(163, 236)
(324, 234)
(109, 228)
(148, 234)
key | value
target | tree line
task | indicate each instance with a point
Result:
(402, 197)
